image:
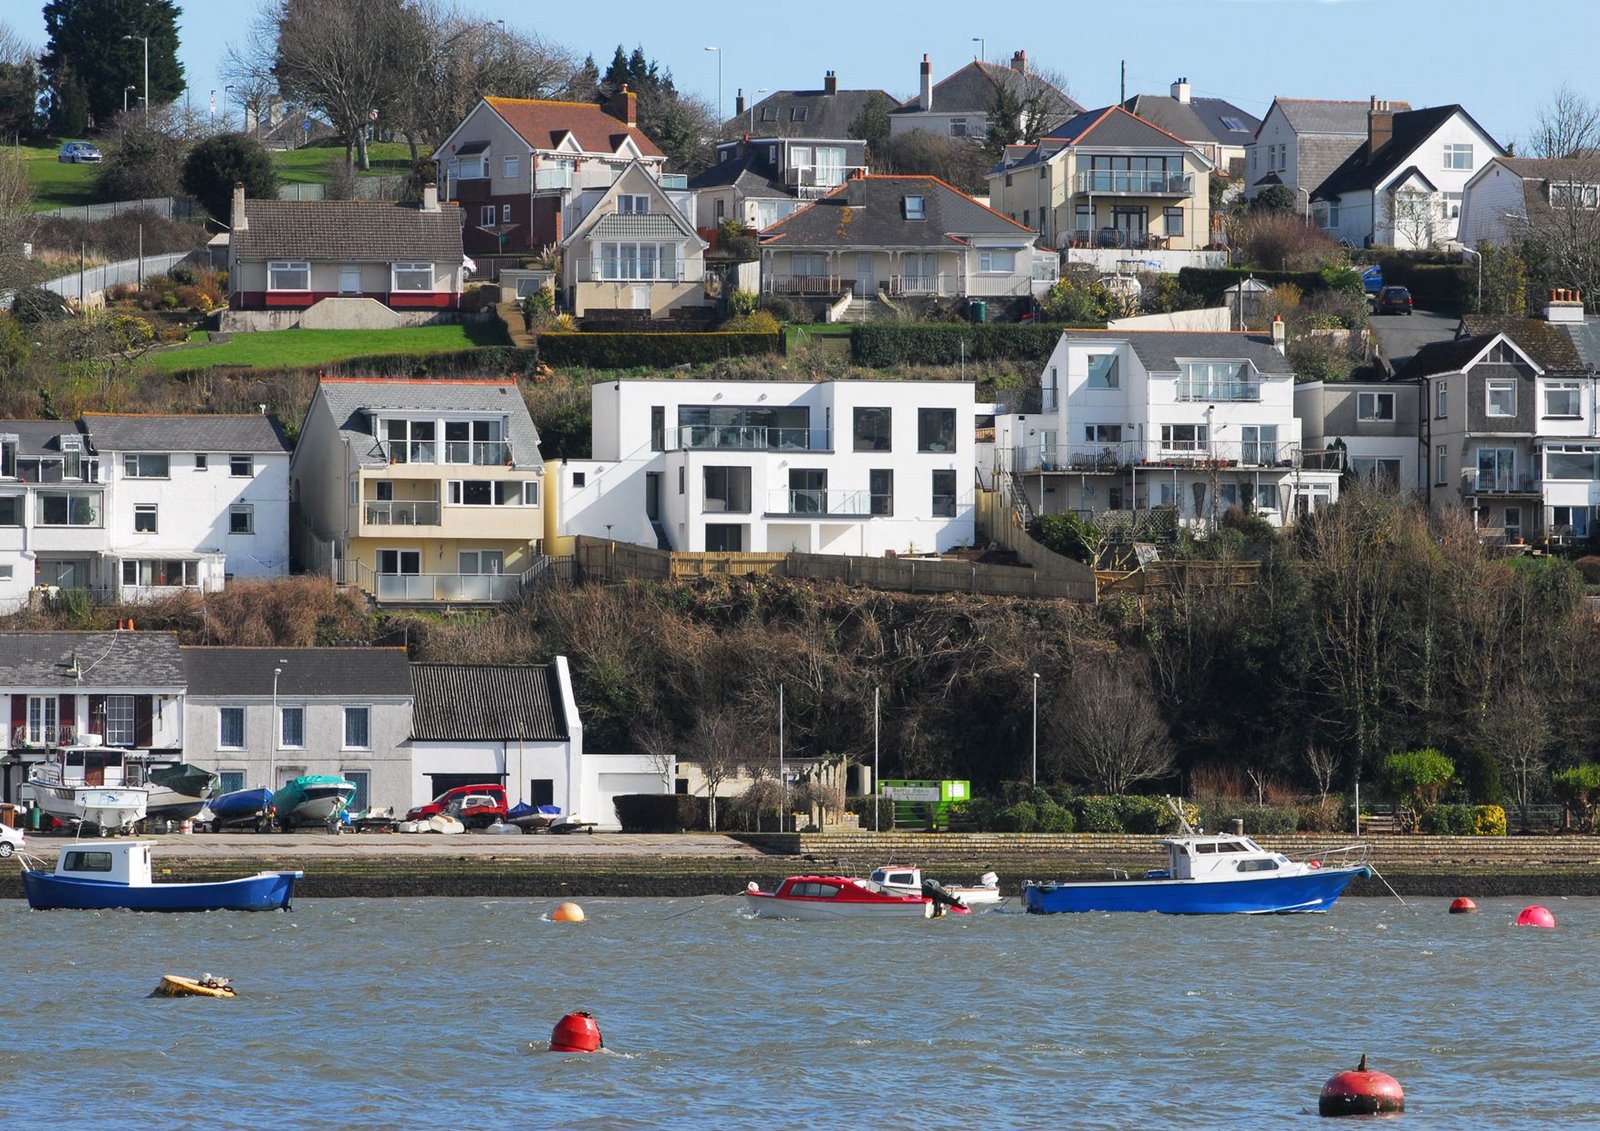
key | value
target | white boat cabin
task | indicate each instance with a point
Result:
(91, 764)
(1220, 857)
(125, 862)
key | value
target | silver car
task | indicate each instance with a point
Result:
(11, 840)
(75, 152)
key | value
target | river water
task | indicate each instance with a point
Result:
(436, 1013)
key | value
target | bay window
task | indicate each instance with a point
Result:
(638, 261)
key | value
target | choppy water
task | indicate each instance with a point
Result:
(435, 1012)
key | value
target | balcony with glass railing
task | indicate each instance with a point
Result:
(1134, 182)
(820, 502)
(1212, 391)
(471, 453)
(392, 513)
(1118, 458)
(750, 438)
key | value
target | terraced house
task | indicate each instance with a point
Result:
(419, 491)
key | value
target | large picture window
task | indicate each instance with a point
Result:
(872, 429)
(288, 275)
(411, 277)
(936, 429)
(146, 465)
(644, 262)
(1374, 406)
(1103, 371)
(1563, 399)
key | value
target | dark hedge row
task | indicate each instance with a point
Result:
(879, 345)
(651, 351)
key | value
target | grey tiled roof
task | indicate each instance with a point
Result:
(1328, 116)
(1198, 121)
(973, 88)
(39, 437)
(1161, 351)
(1547, 343)
(245, 432)
(356, 230)
(649, 225)
(486, 702)
(1112, 126)
(343, 673)
(868, 212)
(825, 115)
(1444, 357)
(351, 399)
(101, 659)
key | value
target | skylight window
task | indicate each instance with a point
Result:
(798, 113)
(1235, 125)
(915, 208)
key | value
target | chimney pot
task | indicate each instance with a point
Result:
(430, 197)
(830, 83)
(738, 102)
(1380, 125)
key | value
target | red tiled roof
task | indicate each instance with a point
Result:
(542, 123)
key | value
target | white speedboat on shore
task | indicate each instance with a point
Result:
(90, 784)
(907, 879)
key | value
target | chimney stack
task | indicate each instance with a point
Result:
(430, 197)
(1180, 91)
(624, 106)
(1280, 335)
(1019, 62)
(738, 103)
(1566, 305)
(830, 83)
(236, 219)
(1380, 124)
(925, 96)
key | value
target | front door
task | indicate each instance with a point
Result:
(1130, 225)
(652, 495)
(641, 298)
(349, 278)
(394, 567)
(864, 274)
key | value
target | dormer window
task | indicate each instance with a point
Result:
(1571, 194)
(915, 208)
(8, 456)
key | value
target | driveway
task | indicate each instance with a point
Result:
(1401, 335)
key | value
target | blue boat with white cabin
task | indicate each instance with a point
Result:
(105, 876)
(1216, 874)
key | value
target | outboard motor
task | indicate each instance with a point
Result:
(935, 891)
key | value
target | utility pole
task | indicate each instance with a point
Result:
(1122, 98)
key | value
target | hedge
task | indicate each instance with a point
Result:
(659, 812)
(881, 344)
(1210, 282)
(1266, 820)
(1433, 286)
(496, 360)
(650, 351)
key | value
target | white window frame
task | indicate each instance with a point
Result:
(1572, 389)
(510, 166)
(488, 214)
(242, 466)
(633, 204)
(202, 461)
(1370, 407)
(43, 723)
(143, 465)
(994, 262)
(1441, 466)
(151, 511)
(245, 511)
(224, 713)
(349, 713)
(119, 725)
(1504, 387)
(1442, 400)
(150, 573)
(1458, 155)
(915, 206)
(403, 275)
(281, 273)
(283, 713)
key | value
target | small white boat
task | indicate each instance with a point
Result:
(907, 880)
(443, 823)
(834, 897)
(89, 784)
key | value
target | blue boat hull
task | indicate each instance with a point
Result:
(1271, 895)
(266, 891)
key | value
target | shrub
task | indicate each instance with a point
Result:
(1053, 818)
(1589, 567)
(1096, 814)
(1449, 820)
(1139, 814)
(655, 813)
(782, 309)
(1265, 820)
(976, 814)
(753, 322)
(862, 807)
(1488, 820)
(653, 351)
(1479, 775)
(1317, 818)
(1414, 779)
(741, 303)
(1018, 818)
(1578, 789)
(882, 344)
(1068, 535)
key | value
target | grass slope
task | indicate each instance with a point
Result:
(308, 166)
(277, 349)
(57, 185)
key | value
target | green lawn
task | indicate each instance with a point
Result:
(271, 349)
(308, 166)
(57, 185)
(796, 334)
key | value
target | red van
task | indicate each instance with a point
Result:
(476, 806)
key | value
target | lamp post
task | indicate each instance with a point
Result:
(783, 782)
(718, 51)
(983, 48)
(877, 788)
(751, 127)
(272, 726)
(1307, 193)
(227, 90)
(125, 90)
(1478, 255)
(144, 39)
(1035, 728)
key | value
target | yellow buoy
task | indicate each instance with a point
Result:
(567, 913)
(176, 985)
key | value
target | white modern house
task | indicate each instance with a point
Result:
(837, 467)
(1196, 422)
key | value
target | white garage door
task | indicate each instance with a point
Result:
(615, 785)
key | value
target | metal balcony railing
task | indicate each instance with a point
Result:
(1218, 455)
(479, 453)
(1499, 483)
(819, 502)
(1135, 182)
(698, 437)
(402, 513)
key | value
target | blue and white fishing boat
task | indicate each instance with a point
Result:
(101, 876)
(1216, 874)
(313, 799)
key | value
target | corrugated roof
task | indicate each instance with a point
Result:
(198, 432)
(870, 212)
(542, 123)
(486, 702)
(649, 225)
(305, 672)
(101, 660)
(354, 230)
(350, 400)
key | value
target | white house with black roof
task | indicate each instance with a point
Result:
(760, 180)
(1301, 141)
(53, 529)
(260, 717)
(517, 724)
(126, 687)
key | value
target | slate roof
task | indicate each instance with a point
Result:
(867, 212)
(973, 88)
(350, 400)
(1112, 126)
(102, 659)
(351, 230)
(750, 173)
(825, 115)
(243, 432)
(486, 703)
(1329, 116)
(1161, 351)
(1363, 170)
(39, 437)
(1449, 356)
(342, 673)
(1548, 343)
(1536, 173)
(542, 123)
(1198, 121)
(1585, 337)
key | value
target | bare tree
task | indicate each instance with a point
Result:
(1112, 734)
(1516, 730)
(716, 745)
(1414, 217)
(1568, 125)
(17, 221)
(1560, 234)
(1323, 762)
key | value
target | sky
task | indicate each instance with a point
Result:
(1498, 58)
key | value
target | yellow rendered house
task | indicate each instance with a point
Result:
(419, 491)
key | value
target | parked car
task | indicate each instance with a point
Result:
(75, 152)
(473, 805)
(1392, 300)
(11, 840)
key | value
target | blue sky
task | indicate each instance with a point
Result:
(1498, 58)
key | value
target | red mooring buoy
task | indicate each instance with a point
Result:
(1361, 1092)
(576, 1032)
(1537, 916)
(1463, 906)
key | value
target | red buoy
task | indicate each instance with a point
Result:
(1463, 906)
(576, 1032)
(1361, 1093)
(1537, 916)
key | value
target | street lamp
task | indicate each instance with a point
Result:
(272, 726)
(1479, 257)
(983, 48)
(751, 128)
(1035, 728)
(718, 51)
(144, 39)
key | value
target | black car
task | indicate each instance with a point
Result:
(1392, 300)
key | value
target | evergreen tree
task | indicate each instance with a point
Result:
(100, 45)
(215, 165)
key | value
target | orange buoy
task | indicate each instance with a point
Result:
(1361, 1092)
(577, 1032)
(1537, 916)
(567, 913)
(1463, 906)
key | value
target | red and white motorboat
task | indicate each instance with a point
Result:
(834, 897)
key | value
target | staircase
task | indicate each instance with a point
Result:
(661, 535)
(1021, 506)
